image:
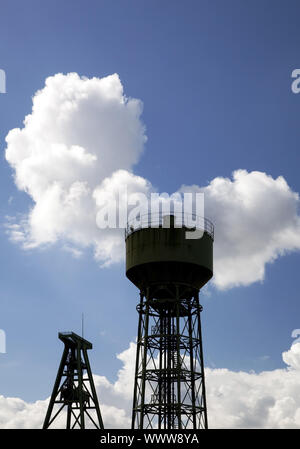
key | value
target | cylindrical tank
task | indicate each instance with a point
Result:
(164, 255)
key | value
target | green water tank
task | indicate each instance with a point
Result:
(164, 255)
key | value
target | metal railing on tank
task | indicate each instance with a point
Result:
(164, 220)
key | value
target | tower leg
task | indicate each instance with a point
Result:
(169, 384)
(203, 417)
(55, 388)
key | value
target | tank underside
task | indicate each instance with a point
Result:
(169, 272)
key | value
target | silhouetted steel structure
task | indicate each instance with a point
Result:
(169, 269)
(74, 389)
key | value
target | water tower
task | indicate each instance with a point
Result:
(169, 268)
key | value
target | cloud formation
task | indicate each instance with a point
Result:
(270, 399)
(80, 132)
(76, 152)
(256, 220)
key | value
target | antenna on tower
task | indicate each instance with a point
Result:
(82, 324)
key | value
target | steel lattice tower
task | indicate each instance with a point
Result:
(168, 269)
(74, 387)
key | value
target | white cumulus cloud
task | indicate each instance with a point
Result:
(256, 220)
(270, 399)
(80, 132)
(76, 152)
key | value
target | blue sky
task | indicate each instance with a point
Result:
(215, 81)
